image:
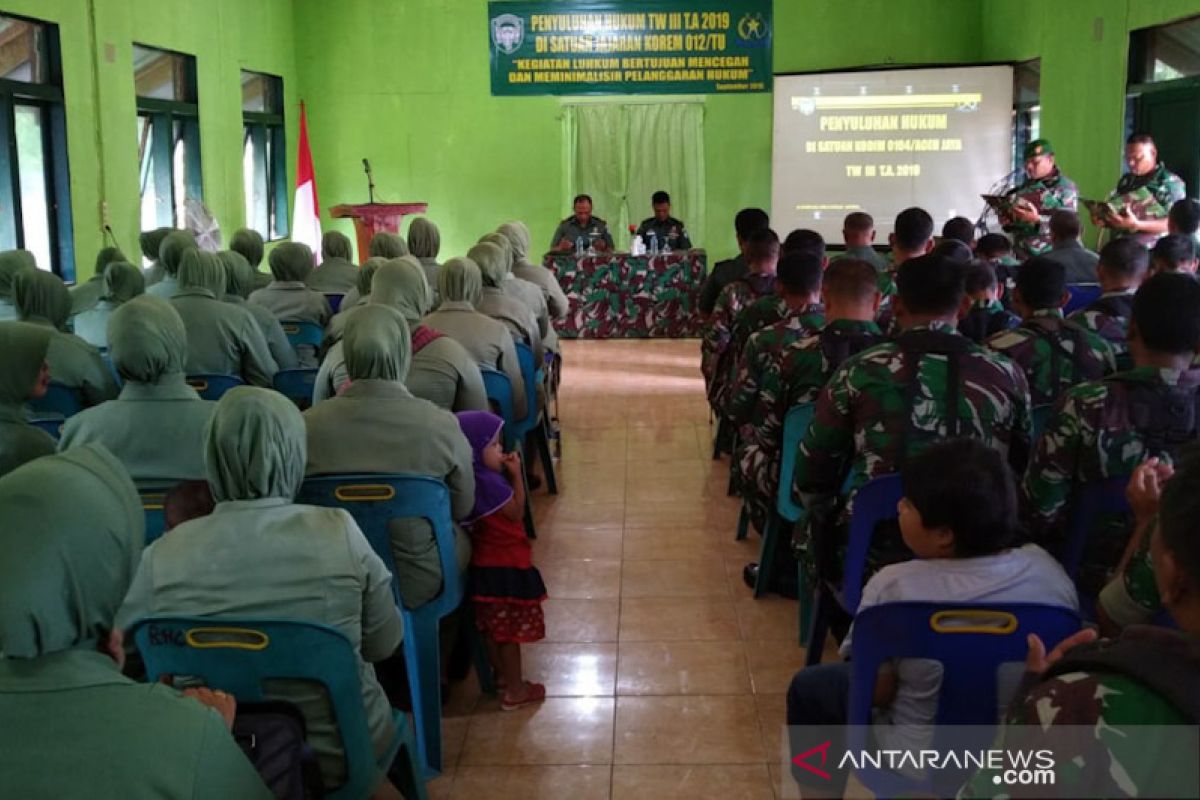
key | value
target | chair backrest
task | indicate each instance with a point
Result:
(335, 300)
(303, 333)
(297, 385)
(212, 387)
(154, 499)
(374, 500)
(971, 640)
(529, 377)
(1082, 294)
(874, 503)
(1041, 416)
(50, 423)
(239, 655)
(795, 425)
(1089, 502)
(65, 401)
(499, 391)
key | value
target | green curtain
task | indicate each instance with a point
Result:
(621, 153)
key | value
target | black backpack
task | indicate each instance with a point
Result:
(1067, 331)
(272, 735)
(1118, 305)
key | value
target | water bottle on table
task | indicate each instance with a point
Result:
(653, 243)
(579, 247)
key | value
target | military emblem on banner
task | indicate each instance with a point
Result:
(752, 28)
(508, 32)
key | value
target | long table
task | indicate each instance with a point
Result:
(616, 295)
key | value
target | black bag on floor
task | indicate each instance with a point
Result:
(272, 734)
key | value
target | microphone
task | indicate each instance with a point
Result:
(370, 181)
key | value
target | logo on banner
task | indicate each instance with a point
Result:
(752, 28)
(508, 32)
(802, 759)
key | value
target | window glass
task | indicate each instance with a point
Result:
(31, 167)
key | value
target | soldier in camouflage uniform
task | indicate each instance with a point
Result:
(1093, 703)
(1144, 195)
(987, 315)
(1122, 268)
(1106, 428)
(774, 382)
(1044, 191)
(1053, 352)
(762, 254)
(747, 221)
(894, 400)
(668, 231)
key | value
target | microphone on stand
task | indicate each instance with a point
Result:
(370, 181)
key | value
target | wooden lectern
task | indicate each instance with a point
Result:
(371, 218)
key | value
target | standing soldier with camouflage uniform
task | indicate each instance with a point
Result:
(1144, 195)
(762, 255)
(1054, 353)
(1121, 269)
(894, 400)
(775, 381)
(1044, 191)
(1104, 428)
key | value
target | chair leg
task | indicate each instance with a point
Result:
(818, 629)
(717, 439)
(805, 614)
(543, 445)
(766, 556)
(422, 657)
(483, 667)
(743, 525)
(405, 771)
(530, 530)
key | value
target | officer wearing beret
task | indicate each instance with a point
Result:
(1044, 191)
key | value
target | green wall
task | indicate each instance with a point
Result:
(406, 85)
(97, 37)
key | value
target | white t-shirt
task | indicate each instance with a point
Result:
(1025, 574)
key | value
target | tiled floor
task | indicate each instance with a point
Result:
(665, 677)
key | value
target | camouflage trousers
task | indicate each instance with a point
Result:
(755, 475)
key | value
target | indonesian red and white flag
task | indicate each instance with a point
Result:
(306, 217)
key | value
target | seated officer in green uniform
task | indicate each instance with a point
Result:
(593, 230)
(669, 231)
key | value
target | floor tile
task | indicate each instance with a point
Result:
(582, 579)
(664, 668)
(673, 543)
(571, 669)
(570, 620)
(566, 512)
(704, 729)
(690, 578)
(532, 783)
(677, 619)
(560, 730)
(577, 543)
(772, 718)
(772, 664)
(694, 782)
(769, 617)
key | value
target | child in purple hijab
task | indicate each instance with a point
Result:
(506, 588)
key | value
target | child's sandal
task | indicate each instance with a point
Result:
(534, 693)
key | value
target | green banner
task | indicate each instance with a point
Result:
(630, 47)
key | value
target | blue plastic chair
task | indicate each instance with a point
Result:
(534, 422)
(875, 503)
(971, 640)
(212, 387)
(296, 385)
(1089, 503)
(303, 333)
(154, 498)
(335, 300)
(239, 655)
(52, 424)
(499, 391)
(1082, 295)
(374, 501)
(64, 401)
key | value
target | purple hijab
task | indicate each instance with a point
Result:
(492, 490)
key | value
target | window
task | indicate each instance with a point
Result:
(35, 204)
(1165, 53)
(264, 155)
(1027, 108)
(168, 135)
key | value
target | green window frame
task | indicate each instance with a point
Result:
(168, 135)
(264, 155)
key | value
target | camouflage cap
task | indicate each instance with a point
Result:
(1038, 147)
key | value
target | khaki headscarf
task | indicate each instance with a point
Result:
(517, 236)
(335, 244)
(460, 280)
(42, 296)
(239, 275)
(401, 284)
(12, 262)
(24, 347)
(122, 281)
(493, 264)
(424, 240)
(106, 256)
(500, 241)
(147, 340)
(255, 446)
(71, 533)
(249, 243)
(151, 242)
(170, 252)
(366, 274)
(388, 245)
(201, 271)
(378, 345)
(291, 261)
